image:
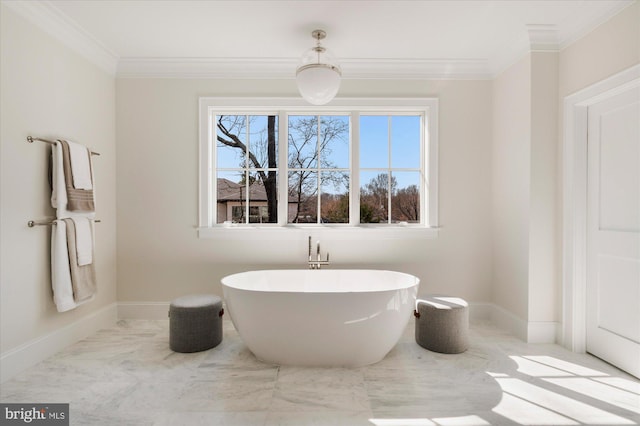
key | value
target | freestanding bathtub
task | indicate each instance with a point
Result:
(322, 318)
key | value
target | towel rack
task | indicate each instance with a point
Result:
(33, 223)
(31, 139)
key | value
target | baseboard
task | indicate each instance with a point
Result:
(508, 321)
(543, 332)
(18, 359)
(480, 312)
(528, 331)
(143, 310)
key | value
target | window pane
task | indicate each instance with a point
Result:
(405, 199)
(334, 142)
(374, 141)
(335, 197)
(374, 197)
(263, 197)
(405, 141)
(230, 129)
(303, 141)
(230, 197)
(263, 141)
(303, 197)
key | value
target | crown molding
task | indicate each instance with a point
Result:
(448, 69)
(278, 68)
(543, 38)
(217, 68)
(48, 18)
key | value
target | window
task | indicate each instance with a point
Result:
(246, 168)
(390, 168)
(353, 163)
(319, 168)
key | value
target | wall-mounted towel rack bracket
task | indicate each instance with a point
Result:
(33, 223)
(31, 139)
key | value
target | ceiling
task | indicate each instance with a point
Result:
(371, 38)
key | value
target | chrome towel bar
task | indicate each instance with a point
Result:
(31, 139)
(33, 223)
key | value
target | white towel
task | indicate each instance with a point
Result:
(60, 272)
(84, 240)
(80, 158)
(59, 191)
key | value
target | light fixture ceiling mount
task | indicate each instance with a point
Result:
(318, 73)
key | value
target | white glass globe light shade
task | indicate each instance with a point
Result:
(318, 76)
(318, 84)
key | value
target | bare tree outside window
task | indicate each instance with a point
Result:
(253, 148)
(382, 190)
(405, 205)
(374, 195)
(318, 163)
(315, 144)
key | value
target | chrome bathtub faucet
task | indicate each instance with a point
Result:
(316, 264)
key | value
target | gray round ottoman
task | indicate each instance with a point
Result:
(195, 323)
(442, 324)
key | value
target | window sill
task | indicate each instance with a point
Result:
(333, 232)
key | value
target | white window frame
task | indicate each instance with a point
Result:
(284, 107)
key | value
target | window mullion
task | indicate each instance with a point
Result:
(389, 121)
(246, 170)
(283, 168)
(208, 182)
(354, 171)
(424, 181)
(319, 180)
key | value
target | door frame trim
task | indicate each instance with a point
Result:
(574, 202)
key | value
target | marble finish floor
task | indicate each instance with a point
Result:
(127, 375)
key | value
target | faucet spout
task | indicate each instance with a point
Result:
(316, 264)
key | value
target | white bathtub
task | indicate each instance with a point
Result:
(323, 318)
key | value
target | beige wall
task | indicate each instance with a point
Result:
(612, 47)
(160, 255)
(47, 90)
(511, 163)
(524, 189)
(543, 253)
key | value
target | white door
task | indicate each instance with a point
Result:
(613, 234)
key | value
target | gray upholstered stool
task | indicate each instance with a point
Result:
(442, 324)
(195, 323)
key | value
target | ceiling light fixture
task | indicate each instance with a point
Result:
(318, 74)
